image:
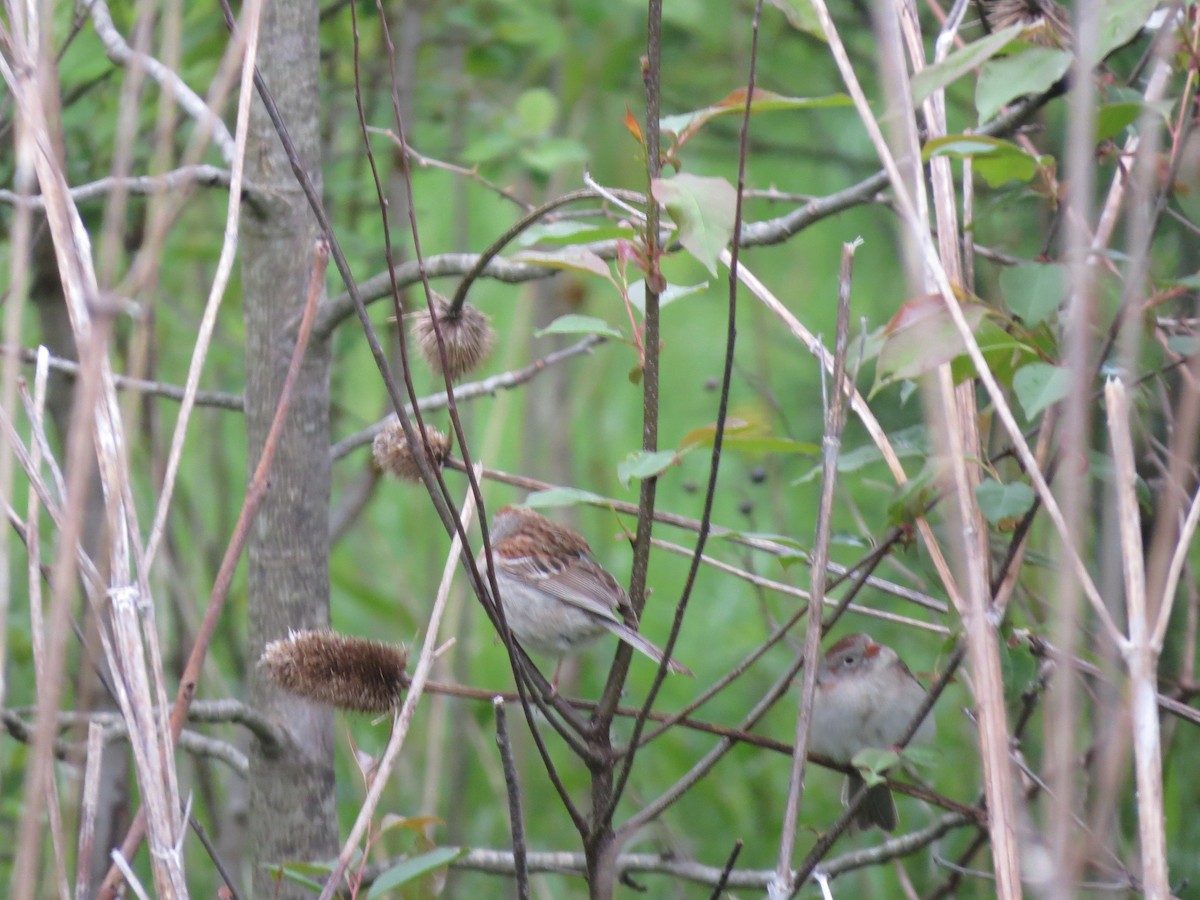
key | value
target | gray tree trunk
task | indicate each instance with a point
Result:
(292, 814)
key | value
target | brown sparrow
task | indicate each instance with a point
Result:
(556, 597)
(866, 697)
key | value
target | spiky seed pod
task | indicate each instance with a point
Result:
(467, 334)
(392, 453)
(338, 670)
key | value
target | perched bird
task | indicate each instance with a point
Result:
(556, 597)
(866, 697)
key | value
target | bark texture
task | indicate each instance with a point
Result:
(292, 814)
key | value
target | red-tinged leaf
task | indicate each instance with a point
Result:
(920, 337)
(635, 127)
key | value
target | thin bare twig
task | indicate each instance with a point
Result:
(513, 787)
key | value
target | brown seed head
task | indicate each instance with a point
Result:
(1046, 22)
(468, 337)
(393, 454)
(338, 670)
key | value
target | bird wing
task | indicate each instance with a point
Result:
(573, 578)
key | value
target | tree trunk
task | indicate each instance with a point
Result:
(292, 815)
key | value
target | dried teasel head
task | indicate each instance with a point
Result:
(467, 335)
(338, 670)
(1046, 22)
(393, 454)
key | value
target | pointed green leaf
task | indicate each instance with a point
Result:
(1031, 71)
(1033, 291)
(703, 208)
(562, 496)
(1039, 385)
(961, 61)
(410, 869)
(572, 323)
(643, 464)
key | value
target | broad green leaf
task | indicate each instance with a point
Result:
(923, 756)
(921, 337)
(410, 869)
(686, 124)
(961, 61)
(561, 496)
(703, 208)
(995, 160)
(568, 232)
(1003, 501)
(643, 464)
(576, 259)
(800, 15)
(1113, 118)
(1121, 20)
(572, 323)
(637, 294)
(1031, 71)
(1033, 291)
(1039, 385)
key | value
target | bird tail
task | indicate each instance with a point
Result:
(877, 809)
(637, 642)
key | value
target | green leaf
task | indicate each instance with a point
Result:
(703, 208)
(1121, 20)
(995, 160)
(572, 323)
(920, 337)
(686, 124)
(644, 464)
(1003, 501)
(567, 232)
(925, 757)
(547, 154)
(1113, 118)
(1039, 385)
(575, 259)
(800, 15)
(637, 294)
(410, 869)
(873, 762)
(1033, 291)
(961, 61)
(562, 496)
(1031, 71)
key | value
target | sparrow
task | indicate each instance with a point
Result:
(866, 697)
(556, 597)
